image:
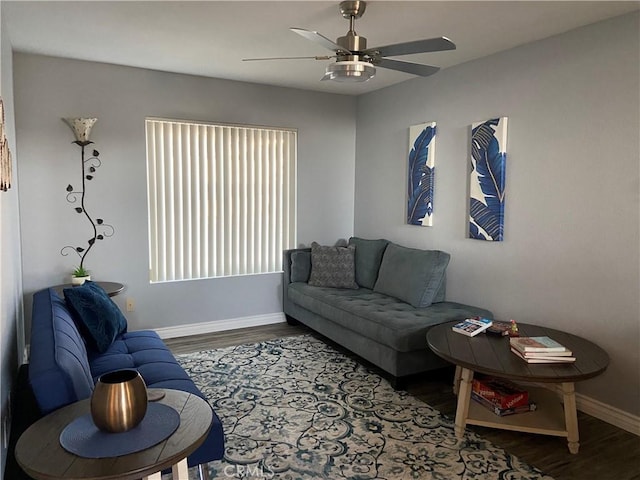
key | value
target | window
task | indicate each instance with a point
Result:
(222, 199)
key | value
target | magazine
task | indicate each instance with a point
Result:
(472, 326)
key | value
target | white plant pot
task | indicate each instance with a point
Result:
(79, 280)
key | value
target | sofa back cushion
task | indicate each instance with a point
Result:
(300, 266)
(59, 371)
(412, 275)
(368, 259)
(442, 290)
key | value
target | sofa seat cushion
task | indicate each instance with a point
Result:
(380, 317)
(146, 352)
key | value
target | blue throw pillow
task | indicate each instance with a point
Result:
(99, 318)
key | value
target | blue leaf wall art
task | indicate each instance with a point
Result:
(422, 145)
(487, 181)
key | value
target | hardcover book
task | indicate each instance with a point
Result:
(566, 353)
(549, 358)
(536, 344)
(472, 326)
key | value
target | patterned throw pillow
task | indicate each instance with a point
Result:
(333, 266)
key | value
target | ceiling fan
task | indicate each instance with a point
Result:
(355, 62)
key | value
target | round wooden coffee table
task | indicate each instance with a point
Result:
(492, 355)
(41, 456)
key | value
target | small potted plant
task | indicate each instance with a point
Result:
(80, 275)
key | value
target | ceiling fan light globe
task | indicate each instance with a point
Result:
(350, 71)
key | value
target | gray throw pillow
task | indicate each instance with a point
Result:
(412, 275)
(333, 266)
(300, 266)
(368, 258)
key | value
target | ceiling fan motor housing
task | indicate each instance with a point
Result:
(353, 43)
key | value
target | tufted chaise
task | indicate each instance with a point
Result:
(381, 328)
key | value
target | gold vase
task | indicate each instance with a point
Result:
(119, 401)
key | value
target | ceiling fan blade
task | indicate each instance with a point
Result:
(419, 46)
(319, 39)
(413, 68)
(318, 57)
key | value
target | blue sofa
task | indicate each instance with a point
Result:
(63, 367)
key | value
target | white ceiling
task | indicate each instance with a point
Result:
(211, 38)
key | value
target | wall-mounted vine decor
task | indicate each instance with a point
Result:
(6, 163)
(82, 128)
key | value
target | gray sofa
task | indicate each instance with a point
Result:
(383, 317)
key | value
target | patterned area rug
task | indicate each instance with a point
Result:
(297, 409)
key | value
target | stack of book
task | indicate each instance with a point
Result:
(540, 350)
(500, 396)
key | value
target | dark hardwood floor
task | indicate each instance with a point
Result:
(606, 452)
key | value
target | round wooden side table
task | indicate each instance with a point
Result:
(41, 456)
(112, 288)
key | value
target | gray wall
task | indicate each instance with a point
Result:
(570, 255)
(48, 89)
(11, 324)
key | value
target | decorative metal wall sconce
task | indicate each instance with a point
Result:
(82, 128)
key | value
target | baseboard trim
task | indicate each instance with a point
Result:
(609, 414)
(602, 411)
(219, 325)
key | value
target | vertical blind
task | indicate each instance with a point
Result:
(222, 199)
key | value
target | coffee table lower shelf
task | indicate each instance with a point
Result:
(547, 419)
(551, 418)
